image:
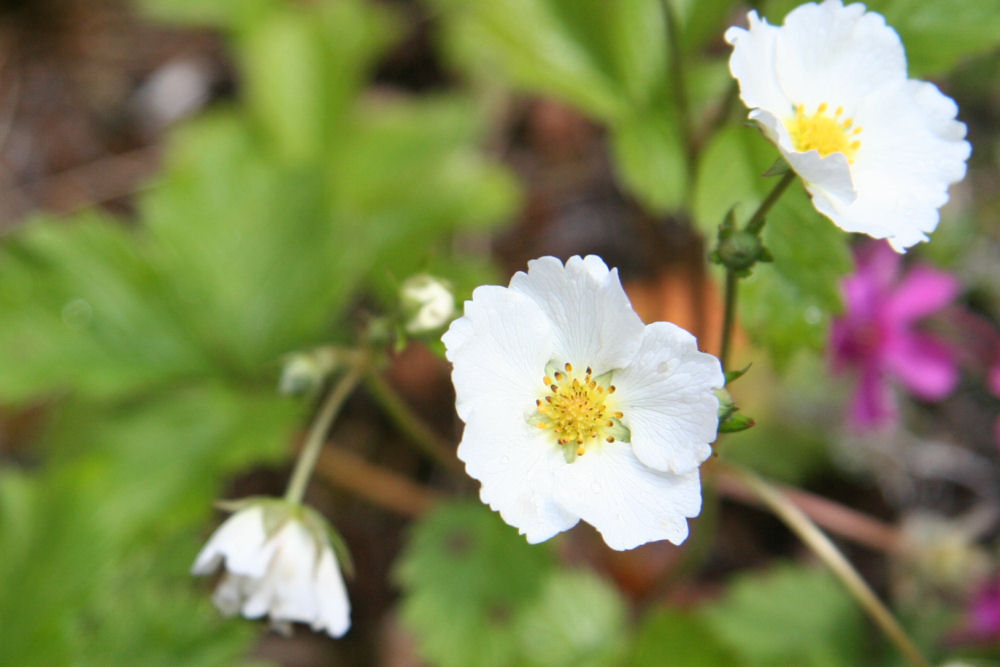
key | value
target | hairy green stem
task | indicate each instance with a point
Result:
(319, 427)
(754, 225)
(815, 539)
(756, 222)
(411, 425)
(728, 317)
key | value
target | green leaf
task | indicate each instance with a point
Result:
(165, 458)
(83, 310)
(680, 639)
(937, 36)
(789, 615)
(303, 67)
(254, 264)
(410, 175)
(579, 621)
(465, 576)
(701, 21)
(649, 157)
(602, 57)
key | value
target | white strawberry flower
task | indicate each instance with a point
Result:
(875, 149)
(574, 409)
(278, 562)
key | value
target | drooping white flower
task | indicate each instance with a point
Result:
(574, 409)
(428, 303)
(875, 149)
(279, 563)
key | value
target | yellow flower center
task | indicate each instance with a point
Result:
(575, 409)
(824, 133)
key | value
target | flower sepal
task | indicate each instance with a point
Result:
(731, 420)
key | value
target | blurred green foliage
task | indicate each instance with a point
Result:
(476, 594)
(154, 347)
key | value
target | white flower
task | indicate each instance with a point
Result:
(574, 409)
(875, 149)
(428, 303)
(277, 564)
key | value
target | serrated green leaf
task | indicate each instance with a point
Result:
(680, 639)
(466, 575)
(790, 614)
(82, 310)
(578, 621)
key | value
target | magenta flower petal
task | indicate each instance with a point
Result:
(922, 292)
(924, 365)
(873, 404)
(876, 334)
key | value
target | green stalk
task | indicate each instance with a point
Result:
(412, 426)
(316, 436)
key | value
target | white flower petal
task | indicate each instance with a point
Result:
(666, 393)
(592, 318)
(498, 349)
(752, 64)
(586, 320)
(515, 462)
(334, 606)
(299, 581)
(238, 540)
(832, 173)
(829, 49)
(912, 151)
(627, 502)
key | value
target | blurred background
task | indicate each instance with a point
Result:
(192, 191)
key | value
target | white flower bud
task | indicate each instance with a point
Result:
(279, 563)
(428, 303)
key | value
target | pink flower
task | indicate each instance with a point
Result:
(877, 335)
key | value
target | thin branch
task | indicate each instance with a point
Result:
(386, 489)
(834, 517)
(409, 424)
(800, 524)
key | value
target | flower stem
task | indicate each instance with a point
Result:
(754, 225)
(412, 426)
(319, 427)
(756, 222)
(728, 317)
(815, 539)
